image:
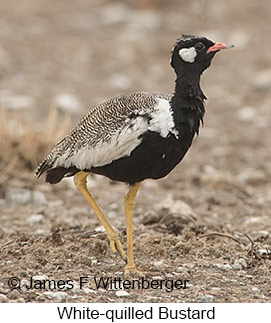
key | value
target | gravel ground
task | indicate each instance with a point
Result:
(71, 55)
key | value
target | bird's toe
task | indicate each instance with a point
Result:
(133, 271)
(115, 246)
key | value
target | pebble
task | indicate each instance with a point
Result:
(76, 288)
(3, 298)
(94, 262)
(34, 218)
(182, 270)
(263, 234)
(122, 293)
(255, 289)
(263, 252)
(176, 206)
(225, 267)
(239, 264)
(39, 198)
(252, 220)
(20, 300)
(100, 229)
(159, 264)
(205, 298)
(40, 277)
(19, 196)
(89, 291)
(150, 218)
(216, 289)
(57, 296)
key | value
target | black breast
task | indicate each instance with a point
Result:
(154, 158)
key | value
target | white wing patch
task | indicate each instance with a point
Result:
(188, 54)
(121, 144)
(162, 119)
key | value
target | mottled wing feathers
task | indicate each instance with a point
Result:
(109, 131)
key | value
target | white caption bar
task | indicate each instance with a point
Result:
(136, 312)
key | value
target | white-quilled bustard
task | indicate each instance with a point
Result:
(134, 137)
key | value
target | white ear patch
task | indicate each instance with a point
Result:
(188, 54)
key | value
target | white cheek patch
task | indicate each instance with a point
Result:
(188, 54)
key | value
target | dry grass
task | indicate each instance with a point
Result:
(24, 143)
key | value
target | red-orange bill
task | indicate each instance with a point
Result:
(219, 46)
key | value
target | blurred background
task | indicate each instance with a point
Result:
(60, 58)
(70, 55)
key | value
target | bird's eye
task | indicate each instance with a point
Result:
(199, 47)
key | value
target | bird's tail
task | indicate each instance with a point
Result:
(54, 174)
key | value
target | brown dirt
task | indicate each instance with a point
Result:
(98, 50)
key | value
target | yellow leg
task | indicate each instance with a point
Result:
(129, 203)
(80, 180)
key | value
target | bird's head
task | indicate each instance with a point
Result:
(193, 53)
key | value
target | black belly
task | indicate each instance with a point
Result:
(154, 158)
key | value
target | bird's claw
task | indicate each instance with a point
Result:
(116, 245)
(132, 271)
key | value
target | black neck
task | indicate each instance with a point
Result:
(188, 86)
(188, 101)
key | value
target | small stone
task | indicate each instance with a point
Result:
(159, 264)
(205, 298)
(150, 218)
(122, 293)
(94, 262)
(225, 267)
(20, 300)
(263, 252)
(263, 234)
(34, 218)
(239, 264)
(89, 291)
(182, 270)
(253, 220)
(176, 206)
(19, 196)
(169, 276)
(118, 273)
(40, 277)
(255, 289)
(100, 229)
(216, 289)
(57, 296)
(3, 298)
(39, 198)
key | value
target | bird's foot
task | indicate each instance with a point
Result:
(116, 245)
(132, 271)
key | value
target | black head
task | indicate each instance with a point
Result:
(194, 53)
